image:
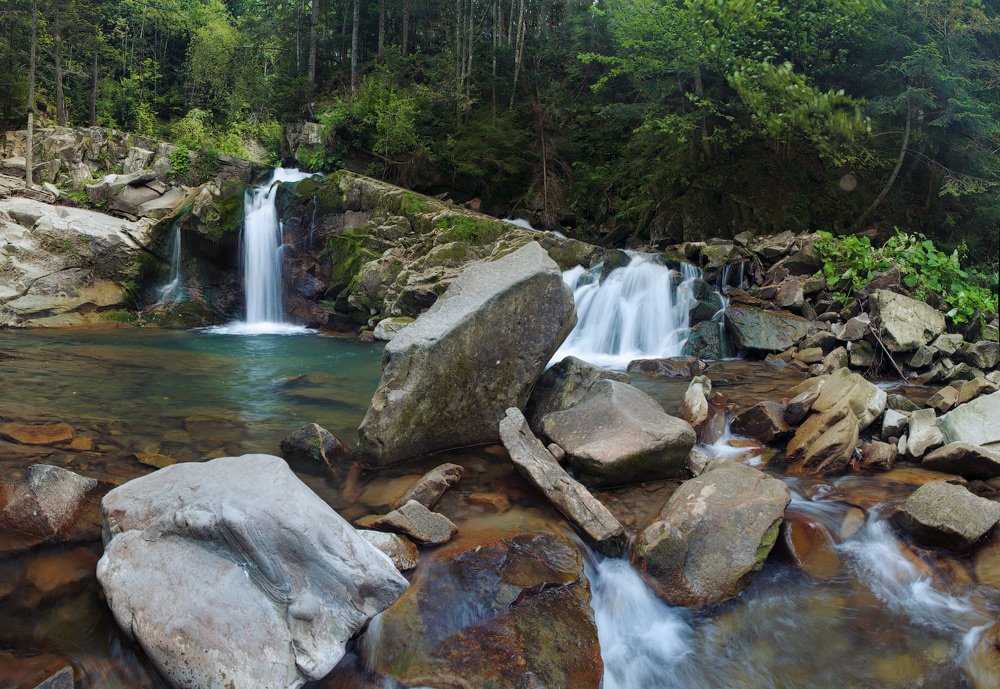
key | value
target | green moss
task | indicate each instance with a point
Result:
(348, 252)
(466, 228)
(413, 204)
(766, 543)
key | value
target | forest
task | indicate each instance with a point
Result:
(641, 121)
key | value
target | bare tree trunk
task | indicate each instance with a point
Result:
(468, 51)
(406, 27)
(354, 46)
(519, 55)
(93, 92)
(28, 162)
(60, 96)
(459, 62)
(895, 172)
(496, 43)
(510, 23)
(313, 25)
(381, 26)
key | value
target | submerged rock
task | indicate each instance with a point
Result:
(488, 612)
(448, 377)
(314, 442)
(946, 515)
(431, 486)
(684, 366)
(232, 573)
(619, 434)
(541, 469)
(713, 535)
(982, 666)
(48, 504)
(400, 549)
(565, 385)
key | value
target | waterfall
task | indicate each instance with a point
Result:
(639, 311)
(723, 281)
(260, 255)
(173, 291)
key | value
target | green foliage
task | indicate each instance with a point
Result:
(851, 261)
(180, 162)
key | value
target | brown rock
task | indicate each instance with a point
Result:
(82, 444)
(497, 502)
(798, 407)
(672, 367)
(38, 433)
(48, 504)
(810, 546)
(763, 421)
(878, 455)
(431, 486)
(945, 515)
(154, 459)
(400, 550)
(314, 442)
(419, 523)
(944, 399)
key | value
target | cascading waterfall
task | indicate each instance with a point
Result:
(173, 291)
(637, 312)
(725, 279)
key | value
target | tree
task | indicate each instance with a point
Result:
(31, 97)
(313, 27)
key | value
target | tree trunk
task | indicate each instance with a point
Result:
(93, 92)
(496, 42)
(354, 46)
(31, 96)
(469, 48)
(313, 25)
(406, 27)
(60, 96)
(895, 172)
(519, 54)
(381, 26)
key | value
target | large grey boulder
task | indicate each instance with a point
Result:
(964, 459)
(232, 574)
(946, 515)
(564, 385)
(713, 535)
(976, 422)
(905, 323)
(761, 331)
(618, 435)
(540, 468)
(448, 377)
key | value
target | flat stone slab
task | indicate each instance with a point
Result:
(419, 523)
(964, 459)
(946, 515)
(976, 422)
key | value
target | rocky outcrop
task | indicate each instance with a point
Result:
(945, 515)
(618, 435)
(233, 573)
(564, 385)
(448, 378)
(496, 611)
(713, 535)
(761, 331)
(534, 462)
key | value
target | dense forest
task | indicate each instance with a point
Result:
(641, 120)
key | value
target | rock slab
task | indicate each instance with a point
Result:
(232, 574)
(448, 377)
(976, 422)
(945, 515)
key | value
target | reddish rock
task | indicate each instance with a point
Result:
(763, 421)
(38, 433)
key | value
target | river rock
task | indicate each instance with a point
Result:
(877, 455)
(971, 389)
(400, 550)
(448, 377)
(800, 405)
(541, 470)
(684, 366)
(704, 341)
(924, 434)
(713, 534)
(491, 612)
(764, 421)
(945, 515)
(944, 399)
(232, 573)
(844, 388)
(47, 504)
(563, 386)
(894, 424)
(982, 354)
(431, 486)
(314, 442)
(982, 664)
(618, 435)
(419, 523)
(964, 459)
(904, 323)
(694, 406)
(37, 433)
(976, 422)
(761, 331)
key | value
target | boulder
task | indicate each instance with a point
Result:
(694, 406)
(760, 331)
(619, 435)
(232, 573)
(713, 535)
(565, 385)
(946, 515)
(448, 377)
(854, 329)
(419, 523)
(684, 366)
(982, 355)
(877, 455)
(862, 354)
(504, 611)
(904, 323)
(923, 357)
(705, 341)
(832, 448)
(400, 550)
(764, 421)
(924, 434)
(964, 459)
(944, 399)
(971, 389)
(47, 504)
(541, 470)
(314, 442)
(948, 343)
(431, 486)
(388, 328)
(137, 160)
(844, 388)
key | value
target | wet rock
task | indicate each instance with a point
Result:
(964, 459)
(713, 535)
(982, 355)
(854, 329)
(541, 470)
(894, 424)
(670, 367)
(287, 580)
(313, 442)
(764, 421)
(945, 515)
(862, 354)
(154, 459)
(388, 328)
(619, 435)
(431, 486)
(38, 433)
(904, 323)
(976, 422)
(924, 434)
(760, 331)
(564, 385)
(497, 502)
(810, 546)
(944, 399)
(419, 523)
(400, 550)
(694, 406)
(489, 612)
(48, 504)
(790, 295)
(800, 405)
(448, 377)
(831, 448)
(877, 455)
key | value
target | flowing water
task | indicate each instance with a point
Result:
(173, 290)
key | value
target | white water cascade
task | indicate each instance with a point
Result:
(260, 253)
(173, 291)
(637, 312)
